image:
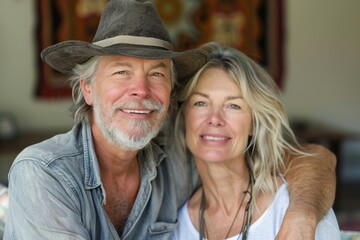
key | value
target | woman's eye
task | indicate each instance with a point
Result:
(199, 104)
(234, 106)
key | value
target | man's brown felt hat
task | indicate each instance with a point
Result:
(126, 28)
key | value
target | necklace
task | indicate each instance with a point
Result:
(247, 214)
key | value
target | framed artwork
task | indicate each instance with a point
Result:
(255, 27)
(61, 20)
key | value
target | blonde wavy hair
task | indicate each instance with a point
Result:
(272, 136)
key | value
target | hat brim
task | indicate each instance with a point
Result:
(64, 56)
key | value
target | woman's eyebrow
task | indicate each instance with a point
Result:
(227, 98)
(199, 93)
(234, 97)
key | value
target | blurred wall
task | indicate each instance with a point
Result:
(18, 71)
(322, 67)
(323, 62)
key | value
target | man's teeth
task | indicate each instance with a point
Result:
(137, 111)
(214, 138)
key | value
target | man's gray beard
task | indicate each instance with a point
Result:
(117, 136)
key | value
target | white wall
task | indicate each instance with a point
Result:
(323, 62)
(17, 71)
(322, 65)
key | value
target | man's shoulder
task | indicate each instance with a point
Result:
(58, 147)
(60, 157)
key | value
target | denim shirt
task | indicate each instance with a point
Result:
(56, 192)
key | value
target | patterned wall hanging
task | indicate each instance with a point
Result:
(252, 26)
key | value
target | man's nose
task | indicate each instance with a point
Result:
(140, 87)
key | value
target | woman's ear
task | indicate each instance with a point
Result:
(86, 90)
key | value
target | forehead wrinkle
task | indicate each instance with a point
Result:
(120, 63)
(125, 63)
(161, 64)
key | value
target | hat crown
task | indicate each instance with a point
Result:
(130, 18)
(126, 28)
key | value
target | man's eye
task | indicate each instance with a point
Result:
(157, 74)
(120, 73)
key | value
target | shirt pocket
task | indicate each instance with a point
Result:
(161, 230)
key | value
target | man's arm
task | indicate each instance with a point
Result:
(40, 207)
(311, 185)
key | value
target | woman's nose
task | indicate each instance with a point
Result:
(216, 119)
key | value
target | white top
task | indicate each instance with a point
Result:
(267, 226)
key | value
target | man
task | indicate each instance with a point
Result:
(111, 176)
(4, 202)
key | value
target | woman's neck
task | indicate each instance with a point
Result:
(225, 194)
(223, 184)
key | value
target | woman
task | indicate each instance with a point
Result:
(233, 122)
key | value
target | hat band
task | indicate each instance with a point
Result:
(146, 41)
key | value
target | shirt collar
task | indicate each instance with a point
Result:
(149, 158)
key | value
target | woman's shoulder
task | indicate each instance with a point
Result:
(271, 218)
(184, 229)
(328, 227)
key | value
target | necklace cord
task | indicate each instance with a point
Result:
(247, 214)
(201, 216)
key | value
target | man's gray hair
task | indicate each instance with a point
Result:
(87, 71)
